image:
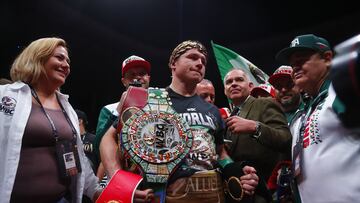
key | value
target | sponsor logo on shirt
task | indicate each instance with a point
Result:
(7, 105)
(195, 118)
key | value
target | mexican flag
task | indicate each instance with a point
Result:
(227, 59)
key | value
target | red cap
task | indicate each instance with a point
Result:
(135, 61)
(263, 90)
(283, 73)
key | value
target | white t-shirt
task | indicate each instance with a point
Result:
(331, 157)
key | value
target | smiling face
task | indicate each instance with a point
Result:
(237, 86)
(57, 67)
(310, 70)
(189, 67)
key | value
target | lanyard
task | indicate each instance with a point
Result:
(54, 130)
(320, 98)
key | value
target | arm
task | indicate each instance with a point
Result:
(106, 118)
(109, 152)
(249, 180)
(273, 128)
(110, 157)
(100, 172)
(92, 187)
(273, 123)
(86, 181)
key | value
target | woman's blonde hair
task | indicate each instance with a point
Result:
(29, 64)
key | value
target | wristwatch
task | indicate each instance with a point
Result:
(257, 133)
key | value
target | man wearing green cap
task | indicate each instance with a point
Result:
(325, 153)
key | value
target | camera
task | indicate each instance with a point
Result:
(345, 76)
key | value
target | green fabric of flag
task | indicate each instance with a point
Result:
(227, 59)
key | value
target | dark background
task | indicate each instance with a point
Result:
(102, 33)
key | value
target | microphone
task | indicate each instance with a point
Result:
(224, 112)
(233, 113)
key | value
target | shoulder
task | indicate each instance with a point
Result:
(337, 105)
(208, 108)
(204, 104)
(265, 106)
(258, 102)
(111, 106)
(266, 102)
(63, 97)
(110, 109)
(17, 90)
(14, 86)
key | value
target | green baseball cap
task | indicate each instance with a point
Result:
(302, 43)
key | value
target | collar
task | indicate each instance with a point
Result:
(323, 93)
(242, 104)
(21, 85)
(175, 94)
(324, 87)
(18, 85)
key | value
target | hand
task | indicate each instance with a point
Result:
(238, 125)
(142, 196)
(249, 180)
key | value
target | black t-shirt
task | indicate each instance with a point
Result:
(207, 127)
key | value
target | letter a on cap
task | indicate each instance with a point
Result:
(295, 42)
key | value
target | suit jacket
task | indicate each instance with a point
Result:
(275, 138)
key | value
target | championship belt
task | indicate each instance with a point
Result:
(155, 137)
